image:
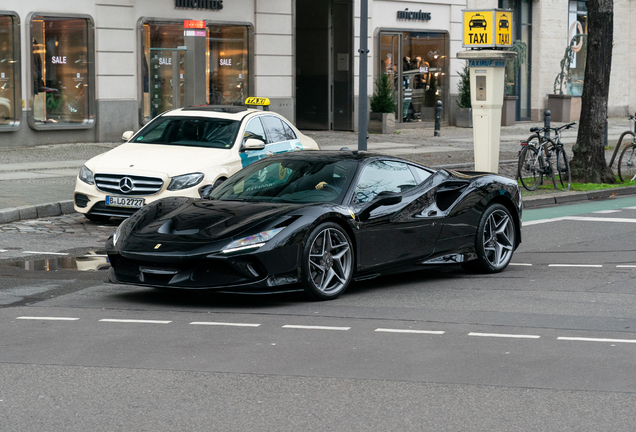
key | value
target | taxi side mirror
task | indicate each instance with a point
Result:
(253, 144)
(126, 136)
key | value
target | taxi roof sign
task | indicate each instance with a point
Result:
(257, 101)
(487, 28)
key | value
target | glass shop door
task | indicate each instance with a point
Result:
(166, 80)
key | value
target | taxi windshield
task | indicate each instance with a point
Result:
(190, 131)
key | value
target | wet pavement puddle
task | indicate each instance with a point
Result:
(92, 261)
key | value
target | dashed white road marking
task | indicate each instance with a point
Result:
(44, 253)
(629, 208)
(520, 264)
(224, 324)
(501, 335)
(289, 326)
(576, 265)
(134, 321)
(626, 266)
(582, 339)
(3, 250)
(387, 330)
(607, 211)
(47, 318)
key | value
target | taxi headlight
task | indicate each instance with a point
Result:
(185, 181)
(86, 175)
(253, 241)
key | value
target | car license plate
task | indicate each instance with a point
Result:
(114, 201)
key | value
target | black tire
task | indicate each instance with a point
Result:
(328, 262)
(97, 218)
(530, 167)
(494, 241)
(627, 163)
(563, 168)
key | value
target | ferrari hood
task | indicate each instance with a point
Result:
(172, 160)
(205, 221)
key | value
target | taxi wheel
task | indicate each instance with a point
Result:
(97, 218)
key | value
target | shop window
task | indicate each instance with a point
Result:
(164, 72)
(62, 72)
(578, 25)
(229, 64)
(162, 67)
(10, 105)
(417, 65)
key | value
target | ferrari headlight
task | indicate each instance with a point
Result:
(118, 231)
(86, 175)
(185, 181)
(253, 241)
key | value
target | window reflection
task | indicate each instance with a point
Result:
(381, 176)
(60, 70)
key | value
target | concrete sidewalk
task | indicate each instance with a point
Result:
(39, 181)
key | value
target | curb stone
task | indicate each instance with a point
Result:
(36, 211)
(571, 197)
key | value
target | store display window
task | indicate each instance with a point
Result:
(10, 99)
(62, 72)
(417, 65)
(229, 64)
(163, 71)
(578, 25)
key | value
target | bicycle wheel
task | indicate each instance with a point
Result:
(530, 167)
(627, 163)
(563, 168)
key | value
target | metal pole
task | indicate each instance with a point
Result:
(363, 121)
(546, 122)
(438, 119)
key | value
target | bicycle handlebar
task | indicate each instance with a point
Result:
(544, 129)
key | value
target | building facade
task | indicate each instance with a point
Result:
(87, 70)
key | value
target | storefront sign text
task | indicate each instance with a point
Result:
(226, 62)
(414, 16)
(163, 61)
(486, 63)
(199, 4)
(58, 59)
(193, 24)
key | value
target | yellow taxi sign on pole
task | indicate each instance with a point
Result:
(487, 28)
(257, 101)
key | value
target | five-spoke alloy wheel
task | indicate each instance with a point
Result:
(495, 241)
(327, 262)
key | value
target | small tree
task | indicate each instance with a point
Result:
(463, 87)
(513, 66)
(382, 101)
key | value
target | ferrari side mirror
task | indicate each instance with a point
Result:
(384, 198)
(253, 144)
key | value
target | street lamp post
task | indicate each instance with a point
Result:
(363, 121)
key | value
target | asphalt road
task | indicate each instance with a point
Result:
(549, 344)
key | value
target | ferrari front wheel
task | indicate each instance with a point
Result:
(327, 265)
(494, 242)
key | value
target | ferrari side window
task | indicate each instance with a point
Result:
(381, 176)
(254, 129)
(420, 174)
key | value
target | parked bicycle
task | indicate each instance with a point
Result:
(535, 159)
(627, 161)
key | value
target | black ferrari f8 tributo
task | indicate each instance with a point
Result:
(315, 220)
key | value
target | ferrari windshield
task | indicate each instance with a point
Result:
(190, 131)
(289, 180)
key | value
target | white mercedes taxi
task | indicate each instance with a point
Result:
(183, 152)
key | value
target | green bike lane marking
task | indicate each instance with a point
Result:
(577, 209)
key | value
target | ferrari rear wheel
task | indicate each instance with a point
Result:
(327, 262)
(494, 242)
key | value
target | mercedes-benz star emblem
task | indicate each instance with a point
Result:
(126, 185)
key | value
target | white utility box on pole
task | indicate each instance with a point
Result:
(484, 32)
